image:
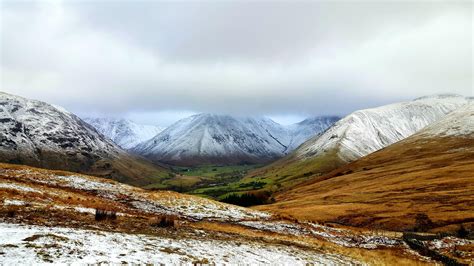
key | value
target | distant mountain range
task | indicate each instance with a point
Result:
(125, 133)
(38, 134)
(223, 139)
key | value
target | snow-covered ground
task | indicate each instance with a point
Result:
(27, 244)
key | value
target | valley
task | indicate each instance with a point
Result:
(242, 132)
(358, 191)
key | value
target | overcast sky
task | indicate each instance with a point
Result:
(156, 62)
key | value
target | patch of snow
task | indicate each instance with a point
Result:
(448, 242)
(18, 187)
(7, 202)
(22, 244)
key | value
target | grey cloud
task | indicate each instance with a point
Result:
(265, 58)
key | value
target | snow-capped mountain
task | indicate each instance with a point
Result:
(38, 134)
(124, 132)
(223, 139)
(304, 130)
(366, 131)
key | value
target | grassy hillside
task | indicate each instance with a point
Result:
(418, 180)
(121, 167)
(51, 216)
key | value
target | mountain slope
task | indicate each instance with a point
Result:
(38, 134)
(357, 135)
(124, 132)
(222, 139)
(428, 173)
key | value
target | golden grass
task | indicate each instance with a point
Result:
(388, 188)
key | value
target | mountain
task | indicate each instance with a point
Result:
(38, 134)
(304, 130)
(357, 135)
(369, 130)
(424, 182)
(124, 132)
(223, 139)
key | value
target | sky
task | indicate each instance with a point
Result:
(156, 62)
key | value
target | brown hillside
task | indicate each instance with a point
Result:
(391, 187)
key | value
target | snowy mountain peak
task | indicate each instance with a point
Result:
(32, 130)
(369, 130)
(124, 132)
(224, 139)
(38, 134)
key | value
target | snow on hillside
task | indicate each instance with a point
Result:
(366, 131)
(209, 138)
(158, 202)
(460, 122)
(29, 244)
(31, 130)
(124, 132)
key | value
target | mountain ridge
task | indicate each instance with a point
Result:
(38, 134)
(224, 139)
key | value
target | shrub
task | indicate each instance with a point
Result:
(423, 223)
(11, 213)
(462, 232)
(101, 215)
(165, 220)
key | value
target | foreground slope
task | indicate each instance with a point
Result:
(49, 216)
(357, 135)
(38, 134)
(424, 182)
(125, 133)
(222, 139)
